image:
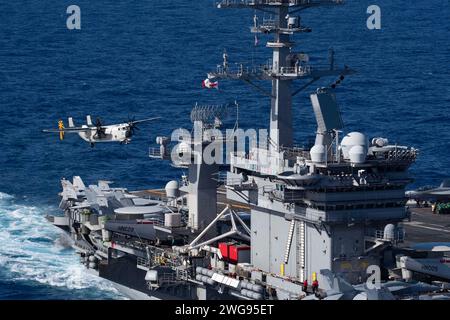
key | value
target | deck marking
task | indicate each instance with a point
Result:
(422, 225)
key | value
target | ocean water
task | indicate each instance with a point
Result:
(147, 58)
(37, 261)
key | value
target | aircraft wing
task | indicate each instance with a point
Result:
(437, 192)
(433, 246)
(336, 296)
(379, 294)
(145, 120)
(67, 130)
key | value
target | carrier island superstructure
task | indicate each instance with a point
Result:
(277, 218)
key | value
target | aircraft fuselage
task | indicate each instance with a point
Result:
(116, 132)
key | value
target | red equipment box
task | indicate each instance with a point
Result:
(239, 253)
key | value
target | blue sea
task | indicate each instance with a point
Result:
(147, 58)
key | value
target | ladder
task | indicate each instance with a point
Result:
(289, 241)
(301, 250)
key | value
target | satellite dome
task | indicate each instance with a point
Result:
(389, 232)
(357, 154)
(317, 153)
(353, 139)
(172, 189)
(380, 142)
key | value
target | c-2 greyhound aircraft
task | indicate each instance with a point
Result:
(98, 132)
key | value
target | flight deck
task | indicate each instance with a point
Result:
(426, 226)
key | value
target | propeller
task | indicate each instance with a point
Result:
(131, 127)
(100, 131)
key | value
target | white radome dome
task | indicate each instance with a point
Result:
(353, 139)
(389, 232)
(357, 154)
(317, 153)
(172, 189)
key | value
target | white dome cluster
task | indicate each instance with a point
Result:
(355, 146)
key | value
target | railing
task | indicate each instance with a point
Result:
(222, 178)
(238, 184)
(296, 152)
(164, 279)
(238, 70)
(235, 182)
(268, 23)
(142, 262)
(299, 70)
(183, 274)
(399, 235)
(267, 70)
(154, 152)
(168, 278)
(285, 196)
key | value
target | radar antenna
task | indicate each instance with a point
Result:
(209, 113)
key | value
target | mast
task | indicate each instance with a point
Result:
(281, 101)
(286, 66)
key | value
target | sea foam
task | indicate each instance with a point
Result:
(34, 250)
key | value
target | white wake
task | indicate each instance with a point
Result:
(31, 249)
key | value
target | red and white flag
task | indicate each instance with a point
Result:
(210, 84)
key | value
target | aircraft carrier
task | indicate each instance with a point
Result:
(276, 221)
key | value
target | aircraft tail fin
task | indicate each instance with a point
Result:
(69, 192)
(445, 183)
(78, 183)
(335, 282)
